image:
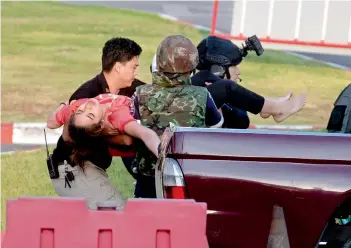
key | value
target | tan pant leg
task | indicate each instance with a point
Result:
(93, 184)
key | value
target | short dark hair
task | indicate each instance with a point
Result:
(118, 50)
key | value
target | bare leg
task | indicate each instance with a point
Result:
(282, 110)
(279, 99)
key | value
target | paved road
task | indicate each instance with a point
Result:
(200, 12)
(336, 59)
(11, 147)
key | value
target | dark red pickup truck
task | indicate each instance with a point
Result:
(263, 188)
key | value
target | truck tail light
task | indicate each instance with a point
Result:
(173, 180)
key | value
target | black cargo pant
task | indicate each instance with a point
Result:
(235, 118)
(233, 94)
(145, 185)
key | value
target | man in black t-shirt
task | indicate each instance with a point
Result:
(119, 66)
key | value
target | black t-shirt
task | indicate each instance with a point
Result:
(92, 88)
(203, 76)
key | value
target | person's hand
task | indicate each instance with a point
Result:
(65, 111)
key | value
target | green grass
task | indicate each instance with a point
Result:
(25, 174)
(49, 49)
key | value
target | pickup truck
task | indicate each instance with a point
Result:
(262, 188)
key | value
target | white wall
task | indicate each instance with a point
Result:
(284, 22)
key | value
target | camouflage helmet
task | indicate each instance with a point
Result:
(176, 54)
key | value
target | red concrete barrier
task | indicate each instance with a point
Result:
(66, 222)
(2, 236)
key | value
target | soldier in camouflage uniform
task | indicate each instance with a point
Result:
(170, 97)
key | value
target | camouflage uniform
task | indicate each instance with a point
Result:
(171, 97)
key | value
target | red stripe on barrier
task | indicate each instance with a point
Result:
(6, 133)
(289, 42)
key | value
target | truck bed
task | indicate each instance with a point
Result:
(243, 175)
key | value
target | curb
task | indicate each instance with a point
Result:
(288, 127)
(28, 133)
(33, 133)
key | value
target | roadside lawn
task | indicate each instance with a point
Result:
(50, 48)
(25, 174)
